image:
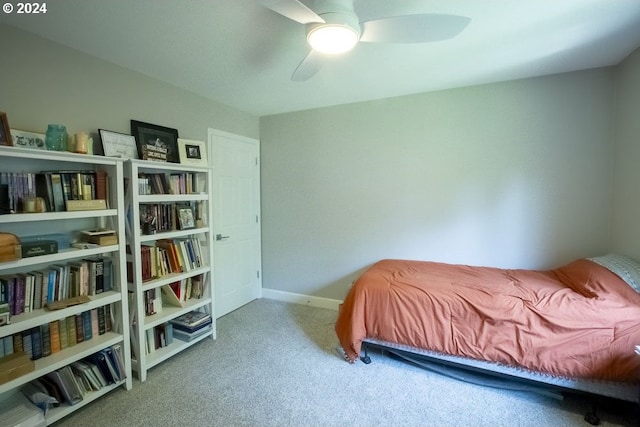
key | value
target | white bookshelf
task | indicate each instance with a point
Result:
(141, 322)
(13, 159)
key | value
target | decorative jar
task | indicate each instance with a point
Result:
(56, 138)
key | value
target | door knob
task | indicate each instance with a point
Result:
(221, 237)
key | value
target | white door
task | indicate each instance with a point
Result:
(237, 265)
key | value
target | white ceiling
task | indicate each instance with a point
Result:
(241, 54)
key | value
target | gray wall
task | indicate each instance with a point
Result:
(514, 174)
(626, 188)
(43, 82)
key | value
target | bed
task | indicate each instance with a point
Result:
(574, 327)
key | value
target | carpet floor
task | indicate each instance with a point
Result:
(277, 364)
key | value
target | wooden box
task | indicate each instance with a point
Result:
(15, 365)
(10, 249)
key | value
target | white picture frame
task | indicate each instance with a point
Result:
(26, 139)
(192, 152)
(117, 144)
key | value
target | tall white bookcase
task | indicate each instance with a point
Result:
(138, 202)
(16, 160)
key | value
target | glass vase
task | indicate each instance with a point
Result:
(56, 138)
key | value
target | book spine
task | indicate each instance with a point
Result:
(71, 331)
(36, 343)
(46, 340)
(86, 322)
(54, 336)
(27, 344)
(95, 328)
(102, 322)
(64, 333)
(79, 328)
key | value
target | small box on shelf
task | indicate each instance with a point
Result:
(10, 249)
(86, 205)
(38, 247)
(15, 365)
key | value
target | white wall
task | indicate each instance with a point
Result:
(514, 174)
(42, 82)
(626, 188)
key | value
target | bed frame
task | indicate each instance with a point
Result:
(496, 375)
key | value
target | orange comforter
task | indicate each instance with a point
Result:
(579, 321)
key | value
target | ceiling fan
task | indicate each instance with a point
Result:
(334, 28)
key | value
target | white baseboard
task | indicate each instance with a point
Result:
(320, 302)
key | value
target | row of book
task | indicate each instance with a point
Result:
(25, 292)
(53, 337)
(169, 256)
(71, 383)
(160, 183)
(174, 294)
(56, 188)
(158, 337)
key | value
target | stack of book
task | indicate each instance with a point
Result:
(191, 325)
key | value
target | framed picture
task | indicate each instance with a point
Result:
(192, 152)
(5, 131)
(186, 218)
(117, 144)
(154, 140)
(26, 139)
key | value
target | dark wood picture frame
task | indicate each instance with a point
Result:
(186, 216)
(5, 130)
(157, 136)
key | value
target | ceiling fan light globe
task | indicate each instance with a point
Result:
(332, 38)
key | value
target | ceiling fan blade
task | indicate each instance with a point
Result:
(292, 9)
(310, 65)
(428, 27)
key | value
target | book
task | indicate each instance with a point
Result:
(45, 336)
(108, 319)
(86, 205)
(58, 192)
(192, 319)
(71, 330)
(83, 369)
(95, 328)
(26, 343)
(102, 323)
(190, 336)
(18, 345)
(65, 381)
(97, 372)
(64, 333)
(100, 360)
(112, 364)
(36, 343)
(87, 327)
(79, 328)
(54, 336)
(44, 189)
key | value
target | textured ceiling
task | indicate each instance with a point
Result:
(241, 54)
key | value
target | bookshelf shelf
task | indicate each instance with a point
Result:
(28, 162)
(194, 182)
(54, 216)
(172, 234)
(62, 255)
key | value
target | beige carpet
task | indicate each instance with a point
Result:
(276, 364)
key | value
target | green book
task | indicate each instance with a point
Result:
(64, 334)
